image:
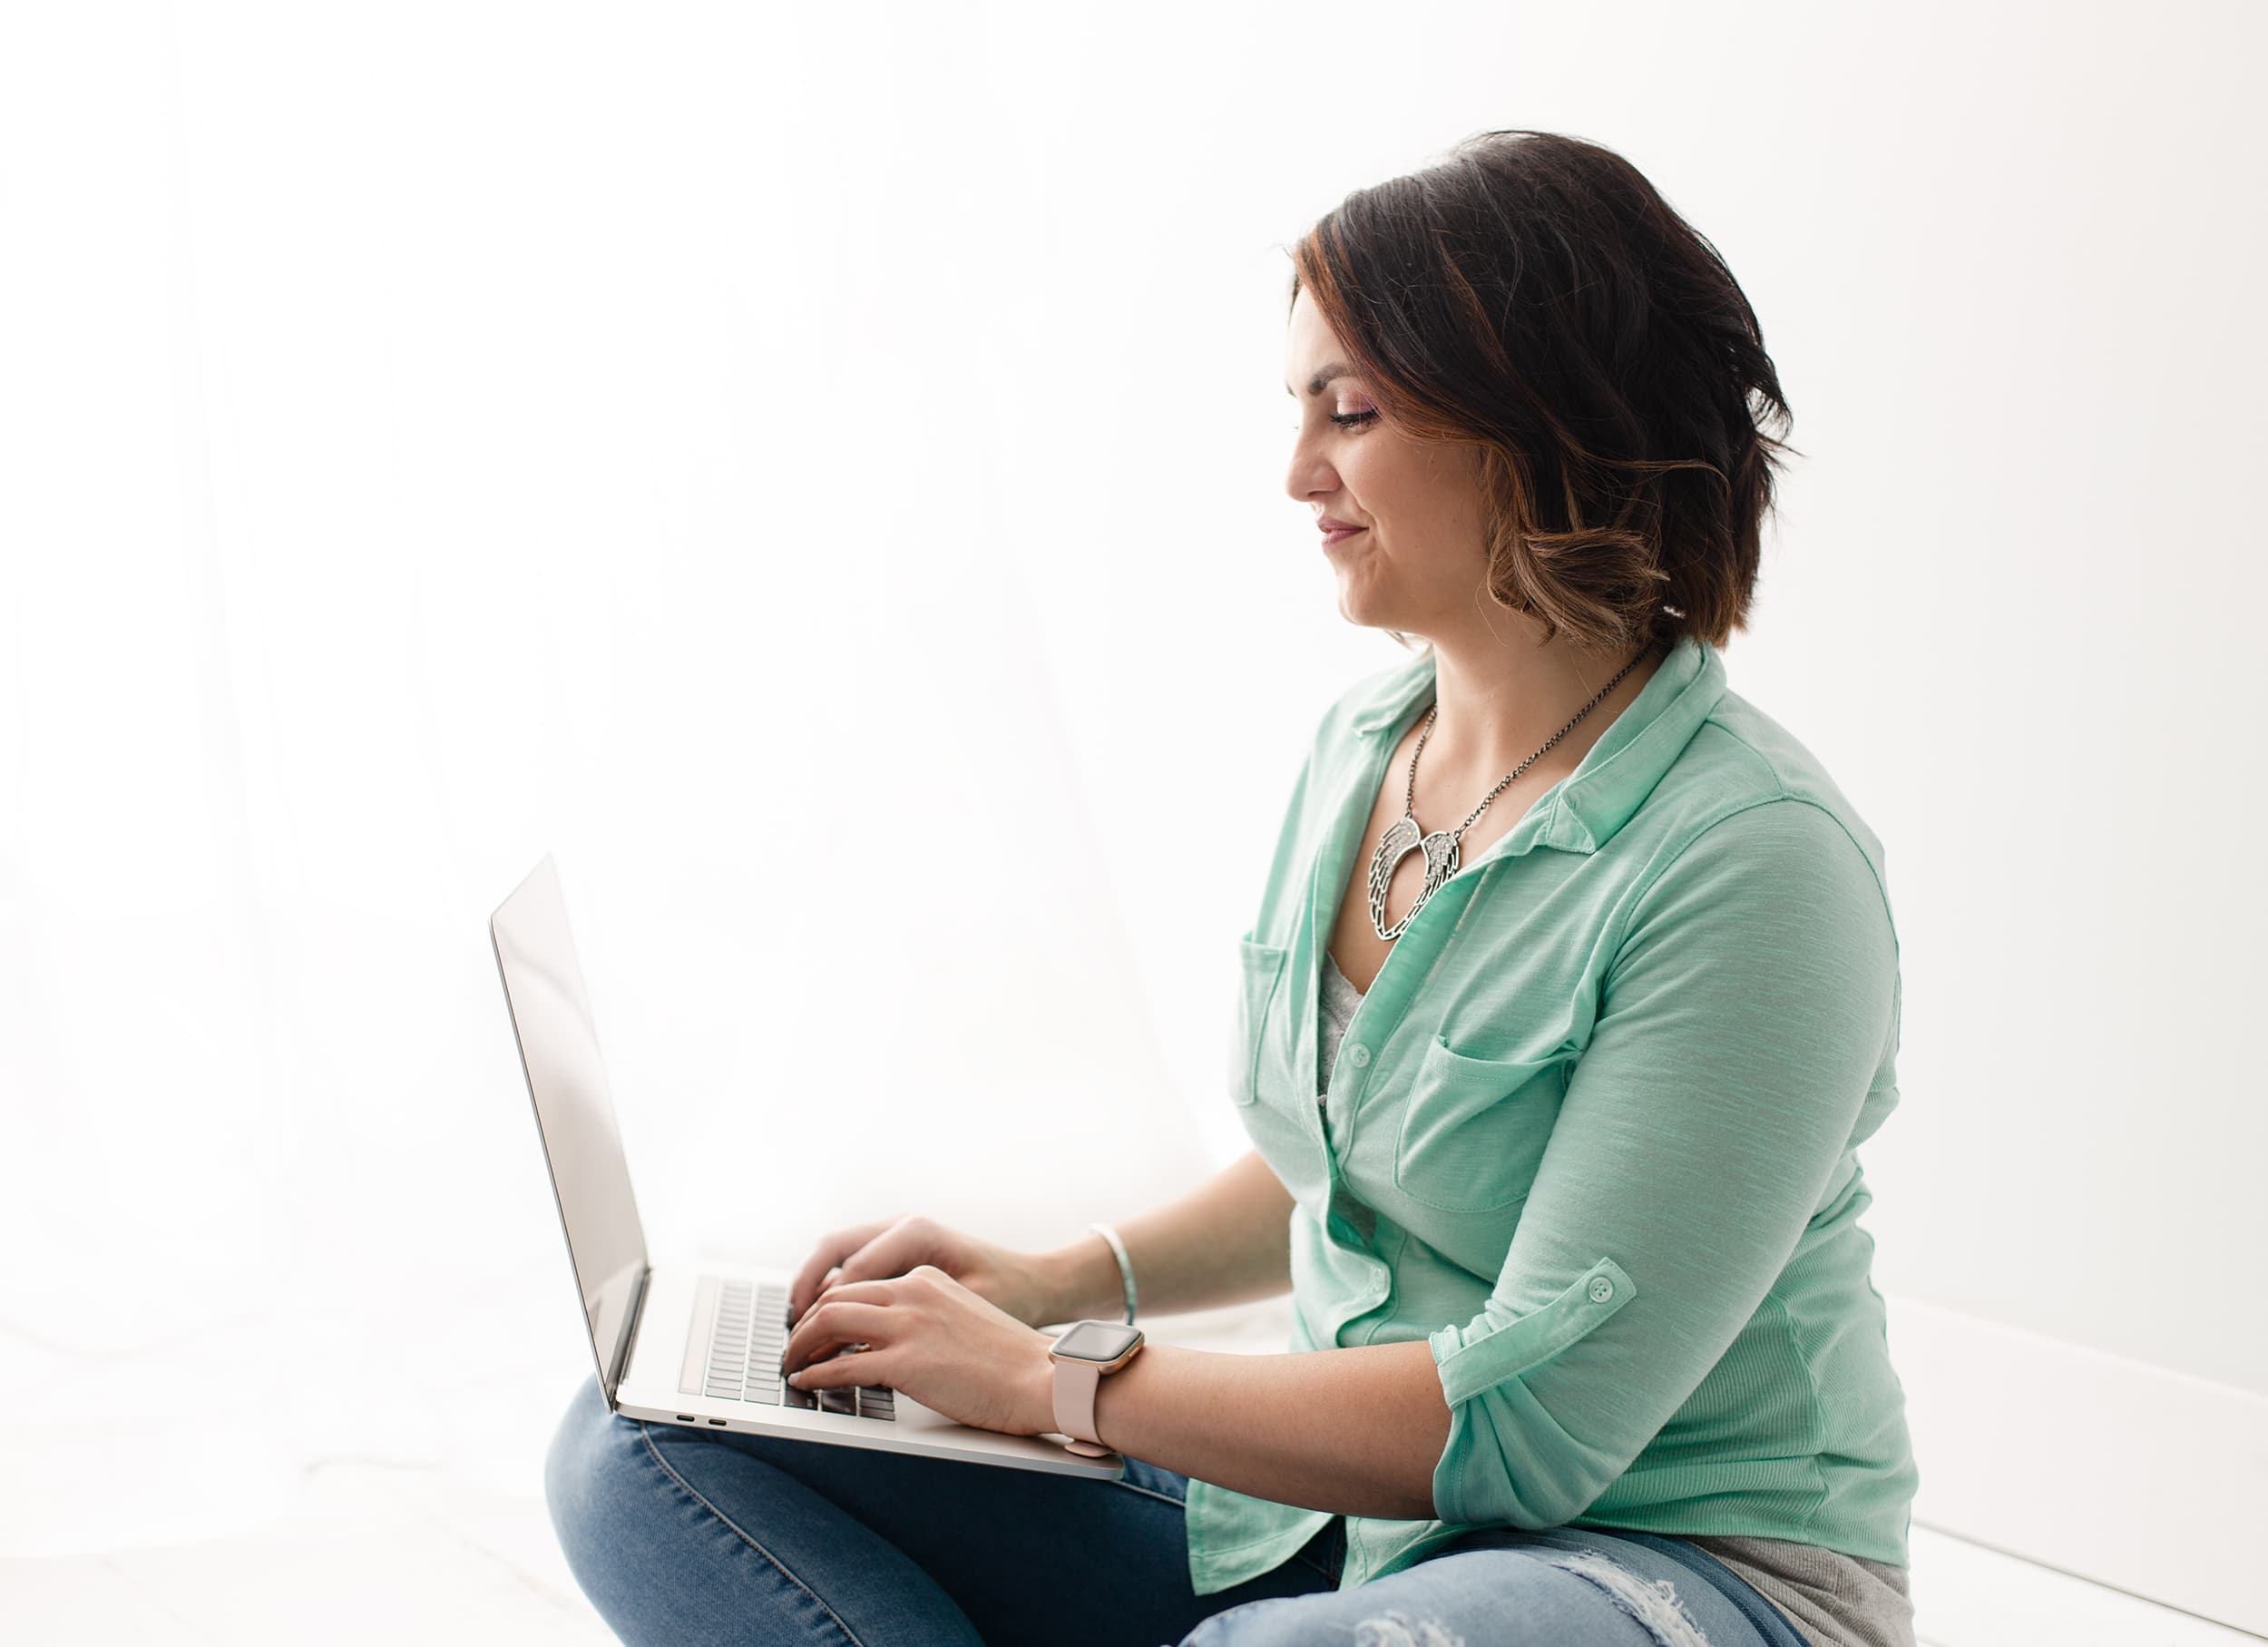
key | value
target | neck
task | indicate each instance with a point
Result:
(1497, 705)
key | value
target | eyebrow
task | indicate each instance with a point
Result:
(1316, 384)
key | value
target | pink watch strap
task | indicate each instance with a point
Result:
(1076, 1383)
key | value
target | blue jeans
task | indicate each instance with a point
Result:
(692, 1536)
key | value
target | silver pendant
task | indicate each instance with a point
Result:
(1394, 845)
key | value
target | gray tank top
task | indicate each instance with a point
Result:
(1833, 1600)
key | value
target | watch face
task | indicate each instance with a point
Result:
(1097, 1340)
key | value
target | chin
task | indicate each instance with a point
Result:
(1374, 614)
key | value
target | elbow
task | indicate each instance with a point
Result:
(1508, 1465)
(1533, 1504)
(1511, 1459)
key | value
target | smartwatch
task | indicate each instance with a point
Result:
(1082, 1354)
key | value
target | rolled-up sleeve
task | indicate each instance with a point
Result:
(1742, 1019)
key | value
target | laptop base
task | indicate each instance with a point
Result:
(652, 1389)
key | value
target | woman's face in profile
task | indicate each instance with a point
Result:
(1418, 561)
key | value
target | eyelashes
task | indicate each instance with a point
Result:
(1347, 420)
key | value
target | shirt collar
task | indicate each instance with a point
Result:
(1616, 774)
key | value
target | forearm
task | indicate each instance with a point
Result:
(1227, 1241)
(1356, 1431)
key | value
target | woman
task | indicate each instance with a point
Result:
(1574, 988)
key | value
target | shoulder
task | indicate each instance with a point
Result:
(1747, 801)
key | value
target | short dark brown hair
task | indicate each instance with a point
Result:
(1533, 295)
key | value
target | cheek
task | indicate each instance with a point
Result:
(1390, 487)
(1417, 515)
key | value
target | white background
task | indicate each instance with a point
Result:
(821, 474)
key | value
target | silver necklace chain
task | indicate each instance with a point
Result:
(1441, 847)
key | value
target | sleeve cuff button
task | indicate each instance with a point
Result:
(1601, 1289)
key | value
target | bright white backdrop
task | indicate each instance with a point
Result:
(821, 476)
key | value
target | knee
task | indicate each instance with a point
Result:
(583, 1465)
(1273, 1623)
(1295, 1621)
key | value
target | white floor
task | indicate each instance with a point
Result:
(371, 1555)
(435, 1532)
(1968, 1596)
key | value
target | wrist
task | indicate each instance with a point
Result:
(1082, 1281)
(1101, 1354)
(1039, 1393)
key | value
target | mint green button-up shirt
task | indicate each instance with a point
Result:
(1592, 1134)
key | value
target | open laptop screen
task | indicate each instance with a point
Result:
(574, 1110)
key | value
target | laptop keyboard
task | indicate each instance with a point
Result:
(747, 1334)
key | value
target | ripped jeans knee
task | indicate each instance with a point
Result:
(1537, 1596)
(1291, 1622)
(1652, 1602)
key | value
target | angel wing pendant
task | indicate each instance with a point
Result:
(1394, 845)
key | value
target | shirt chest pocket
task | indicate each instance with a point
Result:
(1473, 1129)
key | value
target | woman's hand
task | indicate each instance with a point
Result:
(896, 1246)
(929, 1336)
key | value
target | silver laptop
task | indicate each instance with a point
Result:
(677, 1343)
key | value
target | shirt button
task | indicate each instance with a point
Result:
(1601, 1289)
(1359, 1055)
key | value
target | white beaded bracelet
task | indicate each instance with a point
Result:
(1126, 1265)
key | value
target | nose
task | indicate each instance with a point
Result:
(1310, 478)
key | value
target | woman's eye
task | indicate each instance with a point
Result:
(1350, 420)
